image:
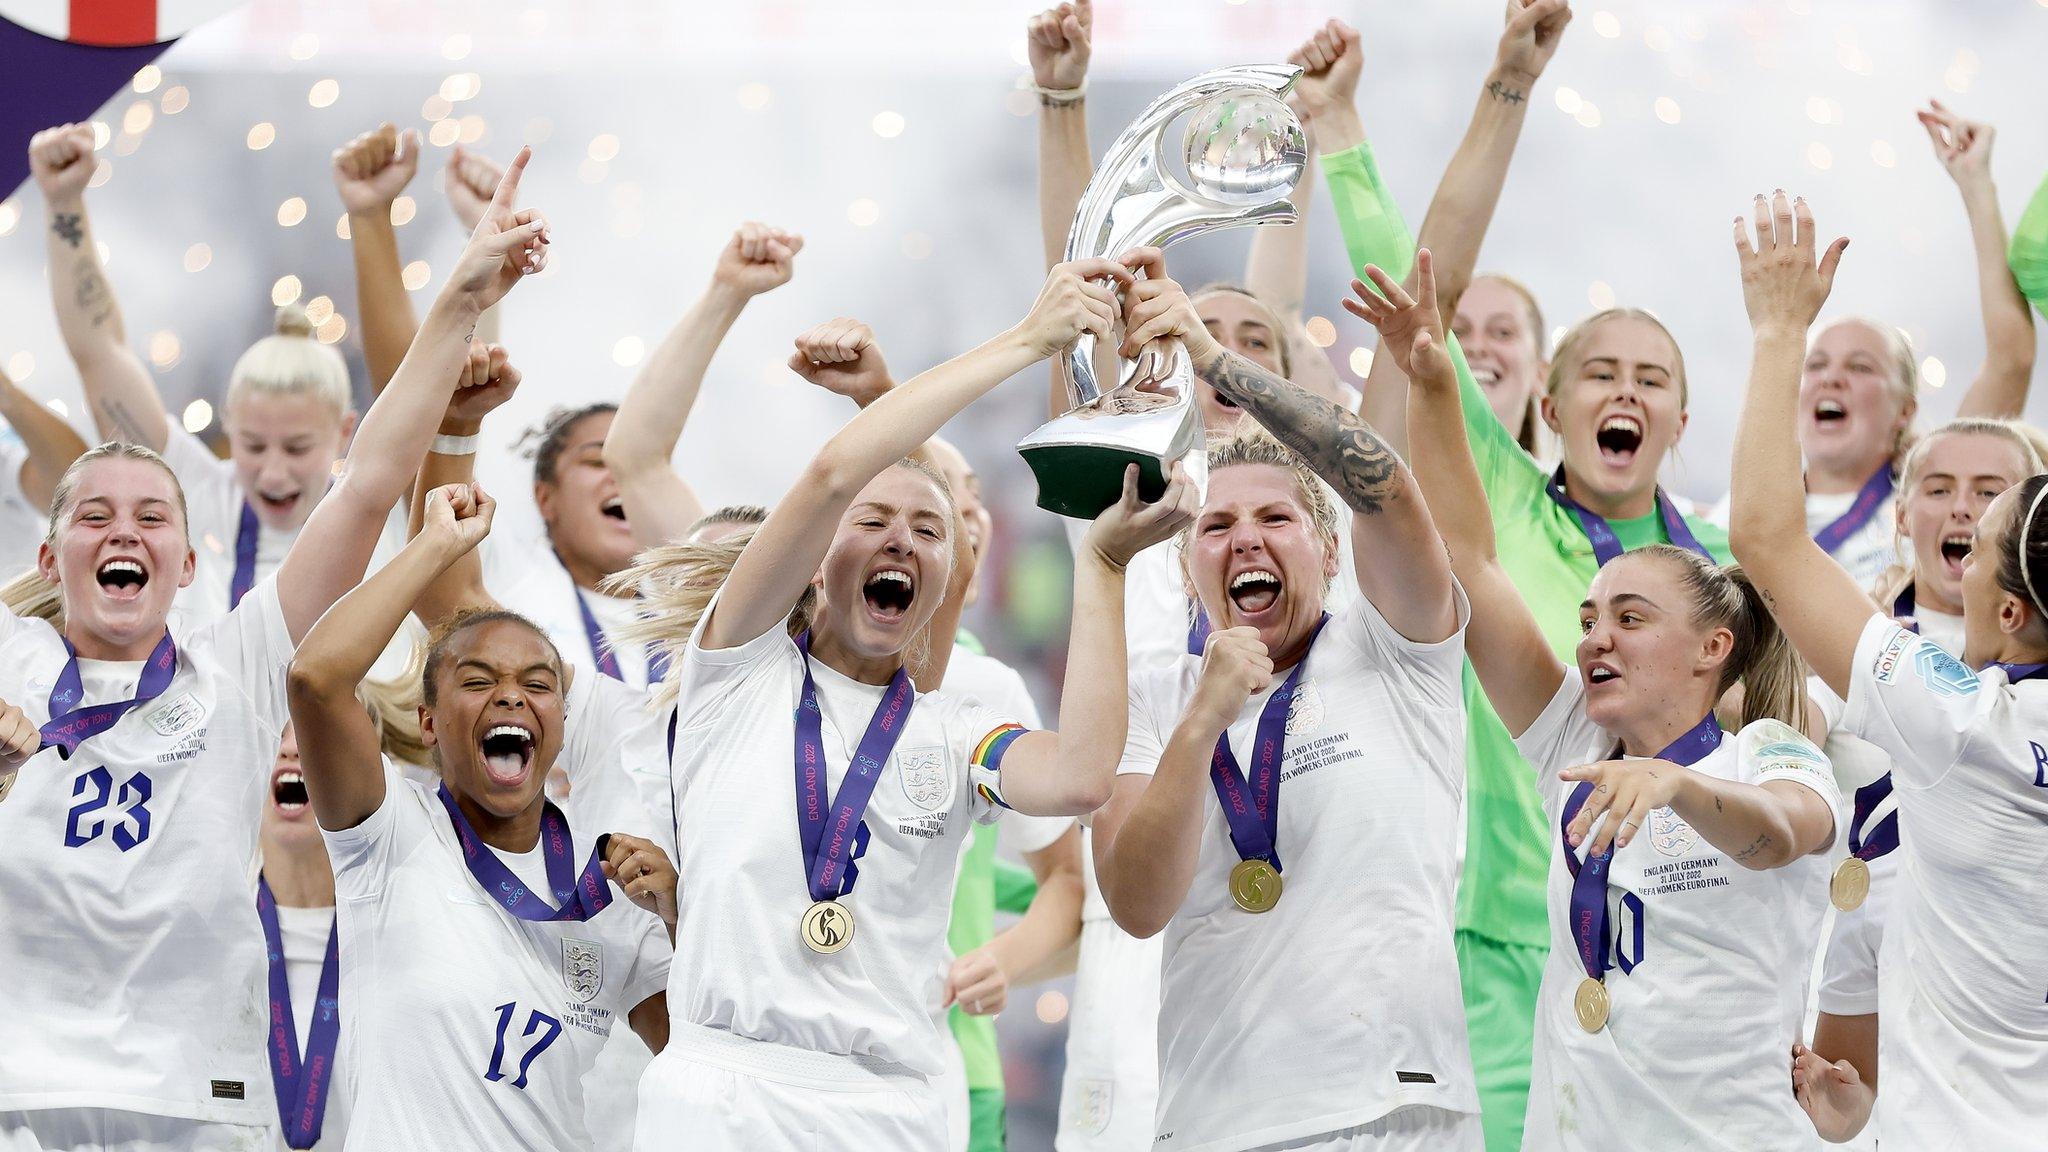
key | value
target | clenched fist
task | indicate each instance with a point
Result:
(372, 169)
(1235, 667)
(61, 160)
(841, 357)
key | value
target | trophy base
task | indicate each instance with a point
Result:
(1079, 460)
(1083, 480)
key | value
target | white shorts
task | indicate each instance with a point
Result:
(1110, 1092)
(711, 1091)
(106, 1130)
(1416, 1128)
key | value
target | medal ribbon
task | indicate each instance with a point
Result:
(71, 725)
(1252, 807)
(301, 1081)
(829, 843)
(1198, 632)
(245, 556)
(1606, 545)
(2014, 673)
(1869, 499)
(601, 645)
(1589, 880)
(577, 897)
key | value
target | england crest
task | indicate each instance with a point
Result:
(582, 968)
(1671, 835)
(922, 771)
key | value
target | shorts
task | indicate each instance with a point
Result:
(107, 1130)
(1500, 983)
(710, 1091)
(1110, 1092)
(1417, 1128)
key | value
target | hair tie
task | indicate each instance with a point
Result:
(2026, 529)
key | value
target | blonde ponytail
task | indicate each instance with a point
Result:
(675, 583)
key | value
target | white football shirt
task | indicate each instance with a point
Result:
(1342, 1003)
(1855, 939)
(741, 966)
(1963, 975)
(994, 685)
(471, 1028)
(1710, 965)
(132, 955)
(1866, 553)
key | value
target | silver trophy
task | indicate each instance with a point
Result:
(1243, 153)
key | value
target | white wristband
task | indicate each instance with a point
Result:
(454, 445)
(1057, 96)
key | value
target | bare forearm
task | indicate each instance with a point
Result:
(1276, 271)
(657, 406)
(2000, 389)
(52, 444)
(1767, 461)
(118, 389)
(399, 426)
(1459, 214)
(1447, 473)
(1031, 948)
(1754, 826)
(461, 584)
(386, 309)
(905, 417)
(1349, 456)
(1064, 168)
(1094, 721)
(1146, 869)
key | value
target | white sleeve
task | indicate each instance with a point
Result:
(710, 676)
(1145, 741)
(1156, 607)
(1848, 982)
(1773, 750)
(365, 855)
(608, 738)
(1911, 698)
(13, 458)
(203, 476)
(986, 735)
(256, 648)
(1722, 513)
(1562, 736)
(1028, 833)
(651, 956)
(1431, 674)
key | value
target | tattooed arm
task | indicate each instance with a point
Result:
(123, 397)
(1402, 566)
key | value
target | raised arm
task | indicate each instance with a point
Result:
(1964, 149)
(331, 553)
(488, 381)
(1059, 41)
(339, 750)
(119, 390)
(1400, 560)
(1466, 197)
(1786, 277)
(470, 179)
(369, 173)
(1514, 662)
(660, 505)
(784, 554)
(52, 444)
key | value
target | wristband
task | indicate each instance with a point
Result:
(1056, 97)
(445, 445)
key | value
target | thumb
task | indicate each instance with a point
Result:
(802, 366)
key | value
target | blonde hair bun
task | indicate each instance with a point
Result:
(293, 321)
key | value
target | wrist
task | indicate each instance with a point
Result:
(1781, 330)
(378, 213)
(723, 297)
(1056, 96)
(1201, 727)
(64, 202)
(1513, 77)
(1337, 128)
(453, 428)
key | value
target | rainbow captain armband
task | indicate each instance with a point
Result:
(988, 754)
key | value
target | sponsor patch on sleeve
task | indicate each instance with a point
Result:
(1943, 674)
(1885, 668)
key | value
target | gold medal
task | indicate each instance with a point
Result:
(1255, 885)
(827, 927)
(1591, 1004)
(1850, 885)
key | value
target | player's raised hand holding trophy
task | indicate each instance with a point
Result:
(1242, 153)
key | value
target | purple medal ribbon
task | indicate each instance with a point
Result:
(1606, 545)
(1589, 880)
(1252, 807)
(245, 556)
(301, 1080)
(2014, 673)
(70, 725)
(828, 858)
(1198, 632)
(577, 897)
(601, 645)
(1869, 499)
